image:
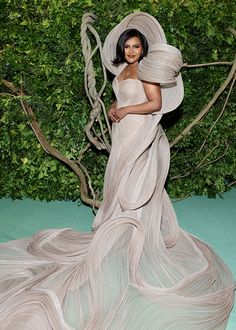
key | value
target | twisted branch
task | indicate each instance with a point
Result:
(201, 164)
(48, 148)
(206, 109)
(100, 139)
(219, 116)
(90, 84)
(232, 183)
(7, 94)
(185, 65)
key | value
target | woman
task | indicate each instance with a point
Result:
(138, 269)
(132, 46)
(175, 281)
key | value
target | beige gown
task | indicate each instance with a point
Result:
(137, 270)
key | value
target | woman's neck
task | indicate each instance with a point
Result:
(132, 65)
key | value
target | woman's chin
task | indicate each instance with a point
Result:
(131, 61)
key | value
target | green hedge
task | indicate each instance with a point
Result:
(40, 50)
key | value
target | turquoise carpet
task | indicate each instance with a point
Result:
(213, 220)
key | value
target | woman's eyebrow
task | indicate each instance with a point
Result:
(133, 45)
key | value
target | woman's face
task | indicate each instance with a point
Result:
(133, 50)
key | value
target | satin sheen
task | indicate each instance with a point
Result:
(137, 270)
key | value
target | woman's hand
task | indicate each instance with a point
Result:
(121, 113)
(112, 113)
(117, 114)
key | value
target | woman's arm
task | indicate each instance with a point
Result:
(153, 93)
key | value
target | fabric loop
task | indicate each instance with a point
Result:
(161, 65)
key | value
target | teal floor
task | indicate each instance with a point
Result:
(213, 220)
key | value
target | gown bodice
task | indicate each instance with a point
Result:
(129, 92)
(137, 270)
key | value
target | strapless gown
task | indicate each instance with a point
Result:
(137, 270)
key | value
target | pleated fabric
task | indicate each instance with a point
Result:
(137, 270)
(161, 65)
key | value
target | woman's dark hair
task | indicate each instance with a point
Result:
(126, 35)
